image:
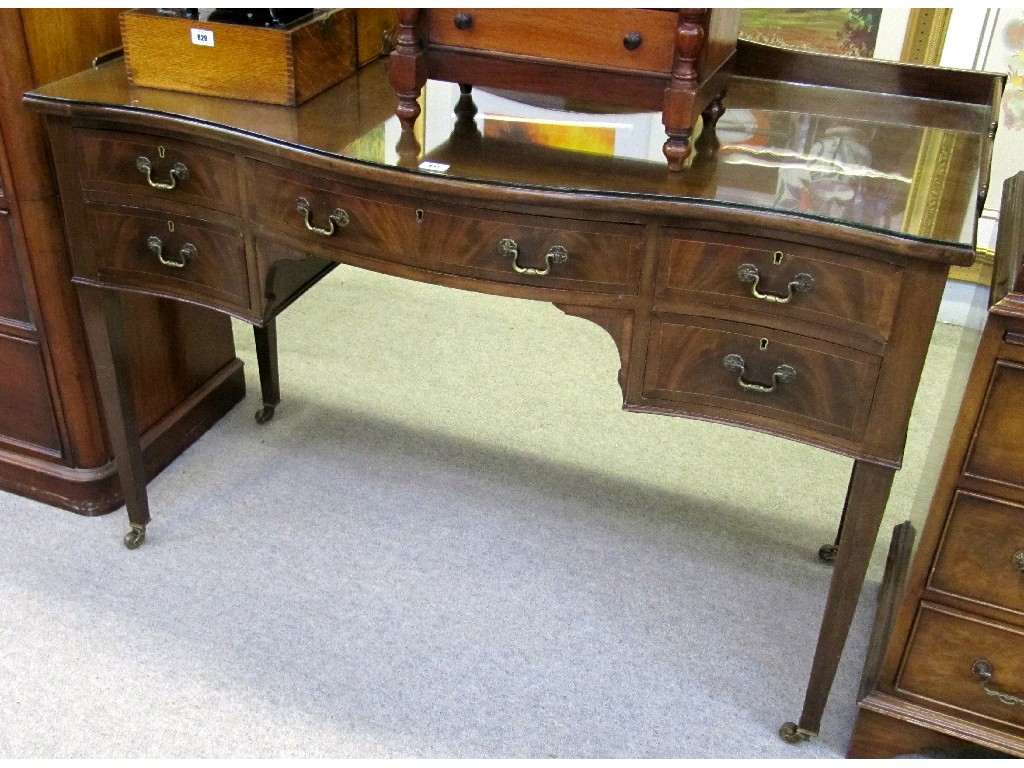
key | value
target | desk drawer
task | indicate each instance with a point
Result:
(202, 261)
(332, 215)
(583, 36)
(943, 664)
(137, 164)
(981, 556)
(534, 250)
(797, 281)
(747, 369)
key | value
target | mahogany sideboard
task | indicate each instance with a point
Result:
(53, 446)
(950, 669)
(786, 281)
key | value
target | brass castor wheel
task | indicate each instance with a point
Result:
(264, 414)
(791, 733)
(828, 553)
(134, 538)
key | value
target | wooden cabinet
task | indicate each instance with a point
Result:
(53, 445)
(950, 667)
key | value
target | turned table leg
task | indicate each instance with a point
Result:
(865, 503)
(103, 313)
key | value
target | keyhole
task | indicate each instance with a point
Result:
(764, 344)
(778, 257)
(161, 152)
(170, 226)
(419, 215)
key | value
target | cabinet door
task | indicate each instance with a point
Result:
(26, 418)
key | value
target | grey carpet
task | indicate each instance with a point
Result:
(449, 542)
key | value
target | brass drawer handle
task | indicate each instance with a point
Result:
(1018, 560)
(177, 173)
(983, 670)
(783, 373)
(556, 255)
(339, 218)
(185, 254)
(748, 273)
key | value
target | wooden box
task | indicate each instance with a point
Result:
(276, 66)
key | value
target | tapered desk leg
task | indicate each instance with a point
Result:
(266, 359)
(865, 504)
(827, 552)
(104, 323)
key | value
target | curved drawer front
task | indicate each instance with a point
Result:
(534, 250)
(981, 557)
(136, 164)
(205, 261)
(838, 290)
(965, 663)
(746, 369)
(583, 36)
(332, 215)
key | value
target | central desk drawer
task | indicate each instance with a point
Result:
(333, 215)
(541, 251)
(184, 257)
(748, 369)
(807, 284)
(137, 164)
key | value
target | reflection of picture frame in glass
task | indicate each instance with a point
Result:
(905, 34)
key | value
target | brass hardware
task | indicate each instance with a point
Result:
(632, 41)
(463, 21)
(177, 173)
(791, 733)
(763, 344)
(556, 255)
(1018, 560)
(134, 538)
(748, 273)
(170, 225)
(778, 257)
(983, 670)
(419, 215)
(735, 363)
(161, 151)
(185, 254)
(339, 218)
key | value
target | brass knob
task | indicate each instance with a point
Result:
(632, 41)
(1018, 560)
(463, 21)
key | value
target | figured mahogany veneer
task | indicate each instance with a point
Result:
(695, 290)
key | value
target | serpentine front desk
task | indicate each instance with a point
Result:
(786, 281)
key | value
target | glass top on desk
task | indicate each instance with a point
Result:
(894, 164)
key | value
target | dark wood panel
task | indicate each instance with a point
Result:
(997, 451)
(26, 418)
(13, 303)
(216, 270)
(942, 653)
(981, 556)
(840, 290)
(110, 163)
(830, 390)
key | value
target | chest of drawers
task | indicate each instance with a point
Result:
(722, 304)
(950, 668)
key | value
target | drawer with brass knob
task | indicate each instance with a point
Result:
(177, 256)
(784, 279)
(971, 665)
(541, 251)
(981, 554)
(136, 164)
(750, 374)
